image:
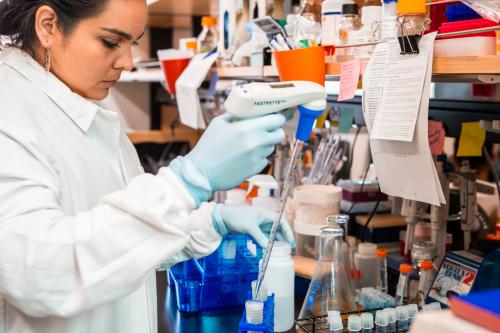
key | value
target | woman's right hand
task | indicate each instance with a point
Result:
(228, 153)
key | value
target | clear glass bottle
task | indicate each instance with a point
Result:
(404, 272)
(415, 16)
(349, 23)
(329, 289)
(308, 28)
(207, 39)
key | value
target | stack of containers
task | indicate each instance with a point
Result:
(313, 204)
(460, 17)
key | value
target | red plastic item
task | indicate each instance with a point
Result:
(437, 15)
(172, 69)
(467, 25)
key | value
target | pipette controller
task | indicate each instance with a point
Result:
(260, 98)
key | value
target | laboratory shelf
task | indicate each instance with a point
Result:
(453, 69)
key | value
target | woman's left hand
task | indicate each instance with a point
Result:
(254, 221)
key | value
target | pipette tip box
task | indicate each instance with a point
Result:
(267, 325)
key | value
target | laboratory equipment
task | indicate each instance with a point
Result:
(371, 16)
(236, 197)
(381, 321)
(366, 322)
(220, 281)
(173, 63)
(389, 19)
(425, 282)
(348, 24)
(412, 312)
(402, 287)
(422, 250)
(331, 14)
(411, 219)
(327, 158)
(262, 295)
(382, 257)
(391, 319)
(372, 298)
(440, 214)
(280, 281)
(266, 324)
(254, 312)
(207, 39)
(308, 29)
(354, 323)
(414, 14)
(367, 263)
(267, 190)
(456, 276)
(257, 99)
(402, 316)
(313, 204)
(335, 322)
(434, 306)
(330, 288)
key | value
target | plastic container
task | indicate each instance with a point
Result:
(371, 16)
(207, 39)
(219, 282)
(415, 16)
(331, 14)
(280, 281)
(267, 189)
(236, 197)
(382, 257)
(354, 323)
(367, 263)
(437, 15)
(381, 321)
(389, 19)
(173, 63)
(313, 204)
(267, 324)
(307, 64)
(402, 287)
(426, 279)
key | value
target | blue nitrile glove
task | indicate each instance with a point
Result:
(253, 221)
(228, 153)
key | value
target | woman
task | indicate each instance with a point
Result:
(81, 227)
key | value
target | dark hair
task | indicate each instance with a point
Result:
(17, 18)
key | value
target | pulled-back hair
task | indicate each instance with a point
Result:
(17, 18)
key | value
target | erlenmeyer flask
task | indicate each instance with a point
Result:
(330, 289)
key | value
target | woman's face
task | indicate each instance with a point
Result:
(92, 57)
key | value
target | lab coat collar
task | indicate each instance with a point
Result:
(80, 110)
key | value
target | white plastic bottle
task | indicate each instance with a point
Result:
(367, 263)
(266, 193)
(280, 280)
(331, 14)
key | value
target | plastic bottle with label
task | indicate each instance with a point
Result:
(331, 14)
(415, 16)
(367, 263)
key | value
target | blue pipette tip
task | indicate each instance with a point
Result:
(307, 117)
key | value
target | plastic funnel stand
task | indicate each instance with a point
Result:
(173, 68)
(307, 117)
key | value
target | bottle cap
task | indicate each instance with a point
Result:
(208, 21)
(349, 9)
(382, 252)
(335, 321)
(426, 265)
(191, 45)
(367, 321)
(391, 315)
(412, 310)
(367, 248)
(412, 7)
(381, 318)
(354, 323)
(405, 268)
(402, 313)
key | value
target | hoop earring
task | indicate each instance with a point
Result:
(47, 60)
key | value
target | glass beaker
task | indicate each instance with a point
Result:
(330, 288)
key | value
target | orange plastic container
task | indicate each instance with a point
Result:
(307, 64)
(172, 69)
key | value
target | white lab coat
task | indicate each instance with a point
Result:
(81, 228)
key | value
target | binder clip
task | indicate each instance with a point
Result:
(409, 43)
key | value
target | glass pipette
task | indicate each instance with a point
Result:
(287, 185)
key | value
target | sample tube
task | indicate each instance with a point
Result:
(391, 320)
(354, 323)
(405, 270)
(381, 321)
(366, 322)
(335, 321)
(262, 296)
(254, 312)
(425, 281)
(382, 259)
(412, 312)
(402, 316)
